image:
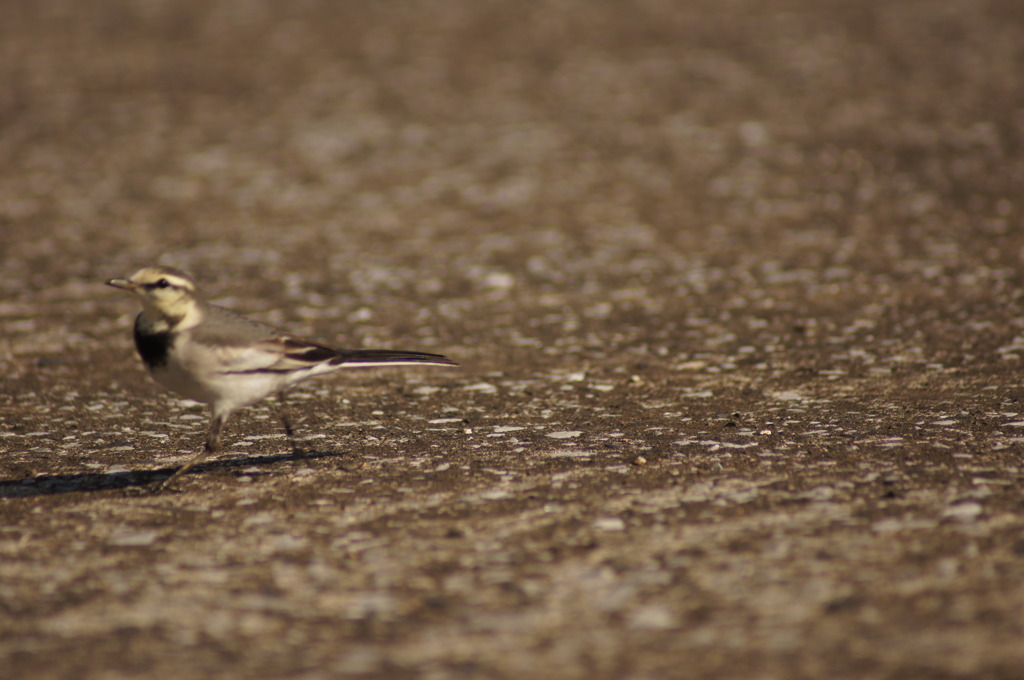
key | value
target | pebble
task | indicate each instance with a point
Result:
(481, 387)
(609, 524)
(352, 464)
(135, 539)
(963, 512)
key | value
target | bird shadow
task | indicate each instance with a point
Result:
(143, 480)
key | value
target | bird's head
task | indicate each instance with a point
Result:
(167, 294)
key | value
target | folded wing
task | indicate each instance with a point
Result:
(288, 354)
(247, 346)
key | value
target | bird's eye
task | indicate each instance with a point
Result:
(163, 283)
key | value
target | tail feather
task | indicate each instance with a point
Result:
(366, 358)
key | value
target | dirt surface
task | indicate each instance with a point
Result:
(736, 287)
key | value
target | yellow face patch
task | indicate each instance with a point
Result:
(167, 295)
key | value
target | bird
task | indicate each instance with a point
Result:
(210, 354)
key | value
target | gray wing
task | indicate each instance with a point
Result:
(243, 345)
(248, 346)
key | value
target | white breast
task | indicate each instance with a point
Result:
(197, 372)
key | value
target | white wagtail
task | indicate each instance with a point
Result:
(212, 355)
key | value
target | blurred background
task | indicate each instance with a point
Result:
(623, 158)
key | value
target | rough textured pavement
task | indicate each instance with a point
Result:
(736, 286)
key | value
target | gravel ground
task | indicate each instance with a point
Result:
(736, 287)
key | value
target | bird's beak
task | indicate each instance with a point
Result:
(124, 284)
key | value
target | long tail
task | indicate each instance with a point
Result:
(367, 358)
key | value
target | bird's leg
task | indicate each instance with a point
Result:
(212, 446)
(289, 430)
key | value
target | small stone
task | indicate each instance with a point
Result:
(134, 539)
(499, 280)
(485, 387)
(609, 524)
(566, 434)
(963, 512)
(691, 365)
(351, 464)
(639, 461)
(652, 617)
